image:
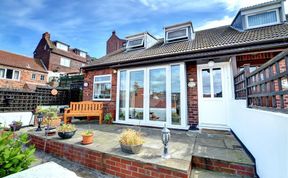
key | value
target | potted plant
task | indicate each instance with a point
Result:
(87, 137)
(66, 131)
(16, 125)
(108, 118)
(50, 116)
(131, 141)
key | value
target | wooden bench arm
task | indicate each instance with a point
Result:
(67, 110)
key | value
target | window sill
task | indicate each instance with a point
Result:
(101, 99)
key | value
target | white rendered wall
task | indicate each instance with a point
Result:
(25, 117)
(265, 134)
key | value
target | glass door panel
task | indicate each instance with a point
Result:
(157, 94)
(122, 96)
(136, 94)
(175, 95)
(217, 82)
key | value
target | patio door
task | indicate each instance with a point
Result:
(214, 94)
(152, 96)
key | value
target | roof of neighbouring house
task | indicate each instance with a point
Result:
(19, 61)
(206, 41)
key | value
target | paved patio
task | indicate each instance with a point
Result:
(215, 145)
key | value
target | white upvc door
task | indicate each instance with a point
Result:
(152, 96)
(214, 93)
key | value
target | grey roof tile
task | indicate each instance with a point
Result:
(205, 40)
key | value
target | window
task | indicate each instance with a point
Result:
(62, 46)
(82, 54)
(262, 19)
(65, 62)
(42, 77)
(2, 73)
(212, 83)
(177, 34)
(33, 77)
(9, 74)
(16, 75)
(102, 87)
(135, 43)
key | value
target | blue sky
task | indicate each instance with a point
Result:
(87, 24)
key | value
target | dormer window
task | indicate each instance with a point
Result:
(179, 32)
(135, 43)
(263, 19)
(82, 54)
(62, 46)
(140, 41)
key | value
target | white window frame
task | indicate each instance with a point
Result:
(146, 121)
(32, 76)
(142, 43)
(13, 74)
(63, 63)
(262, 25)
(82, 54)
(101, 82)
(62, 46)
(41, 77)
(170, 31)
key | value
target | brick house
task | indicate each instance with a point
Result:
(179, 78)
(114, 43)
(58, 57)
(19, 72)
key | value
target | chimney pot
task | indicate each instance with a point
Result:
(113, 32)
(46, 35)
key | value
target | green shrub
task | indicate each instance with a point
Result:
(107, 117)
(14, 156)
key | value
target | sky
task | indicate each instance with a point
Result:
(87, 24)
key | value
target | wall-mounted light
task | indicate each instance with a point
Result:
(191, 83)
(85, 84)
(211, 63)
(114, 71)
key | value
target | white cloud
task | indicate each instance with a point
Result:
(215, 23)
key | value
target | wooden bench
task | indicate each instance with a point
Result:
(84, 108)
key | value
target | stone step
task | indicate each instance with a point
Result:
(202, 173)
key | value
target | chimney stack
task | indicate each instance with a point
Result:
(46, 35)
(114, 43)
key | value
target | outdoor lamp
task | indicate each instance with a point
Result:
(165, 140)
(39, 119)
(211, 63)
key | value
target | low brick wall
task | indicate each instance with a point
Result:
(223, 166)
(110, 164)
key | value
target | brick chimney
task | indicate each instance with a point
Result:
(46, 35)
(114, 43)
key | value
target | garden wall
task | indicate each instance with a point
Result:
(265, 134)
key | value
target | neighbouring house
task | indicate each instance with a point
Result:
(186, 80)
(59, 58)
(21, 72)
(114, 43)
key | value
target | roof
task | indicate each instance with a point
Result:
(220, 38)
(268, 3)
(19, 61)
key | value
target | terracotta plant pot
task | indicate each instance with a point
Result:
(87, 139)
(131, 149)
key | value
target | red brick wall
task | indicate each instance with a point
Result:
(192, 94)
(110, 164)
(54, 64)
(88, 91)
(114, 43)
(25, 76)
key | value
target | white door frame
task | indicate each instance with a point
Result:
(227, 95)
(146, 121)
